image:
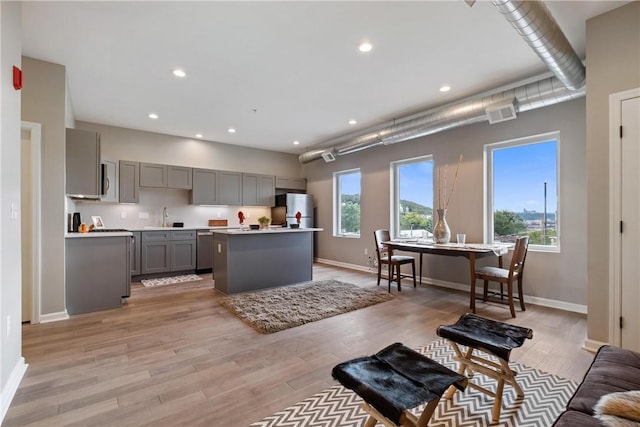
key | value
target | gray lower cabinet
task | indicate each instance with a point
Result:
(129, 182)
(155, 252)
(183, 250)
(135, 253)
(167, 251)
(97, 273)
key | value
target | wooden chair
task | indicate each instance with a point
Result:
(386, 256)
(506, 276)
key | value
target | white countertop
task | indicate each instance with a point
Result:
(269, 231)
(97, 234)
(204, 227)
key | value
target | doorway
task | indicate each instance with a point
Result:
(30, 196)
(624, 173)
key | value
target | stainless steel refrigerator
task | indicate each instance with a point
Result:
(287, 205)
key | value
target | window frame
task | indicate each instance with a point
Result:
(337, 203)
(488, 185)
(394, 217)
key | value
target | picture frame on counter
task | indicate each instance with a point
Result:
(97, 222)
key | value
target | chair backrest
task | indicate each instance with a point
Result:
(381, 236)
(519, 255)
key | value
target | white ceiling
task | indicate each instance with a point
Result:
(280, 71)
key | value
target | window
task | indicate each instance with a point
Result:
(412, 198)
(522, 191)
(346, 190)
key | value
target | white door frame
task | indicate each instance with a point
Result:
(35, 134)
(615, 187)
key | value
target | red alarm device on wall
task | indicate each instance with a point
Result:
(17, 78)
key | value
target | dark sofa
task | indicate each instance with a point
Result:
(613, 370)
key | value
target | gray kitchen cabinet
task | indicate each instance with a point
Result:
(229, 188)
(97, 273)
(183, 250)
(205, 187)
(135, 252)
(155, 252)
(82, 155)
(290, 183)
(109, 181)
(153, 175)
(179, 177)
(129, 184)
(258, 190)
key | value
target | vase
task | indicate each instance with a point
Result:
(441, 231)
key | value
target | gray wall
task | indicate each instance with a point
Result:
(44, 102)
(613, 65)
(11, 363)
(547, 274)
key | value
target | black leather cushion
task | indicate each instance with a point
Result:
(613, 369)
(495, 337)
(576, 419)
(395, 379)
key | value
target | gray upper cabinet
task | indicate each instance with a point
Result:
(258, 190)
(179, 177)
(205, 187)
(129, 186)
(165, 176)
(229, 188)
(289, 183)
(152, 175)
(83, 163)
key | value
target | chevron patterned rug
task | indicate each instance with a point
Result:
(545, 397)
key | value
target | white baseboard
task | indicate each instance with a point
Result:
(593, 345)
(544, 302)
(54, 317)
(6, 396)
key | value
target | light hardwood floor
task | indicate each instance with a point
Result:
(173, 356)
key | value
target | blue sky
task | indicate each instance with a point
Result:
(519, 177)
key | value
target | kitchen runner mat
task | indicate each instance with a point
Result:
(162, 281)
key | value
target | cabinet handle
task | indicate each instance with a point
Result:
(108, 184)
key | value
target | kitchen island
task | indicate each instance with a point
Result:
(247, 260)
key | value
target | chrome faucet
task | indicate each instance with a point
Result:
(165, 215)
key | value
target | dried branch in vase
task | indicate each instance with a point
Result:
(444, 193)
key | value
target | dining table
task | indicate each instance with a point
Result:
(471, 251)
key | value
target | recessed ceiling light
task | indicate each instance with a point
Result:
(445, 88)
(352, 122)
(365, 47)
(232, 130)
(296, 142)
(198, 135)
(153, 116)
(179, 73)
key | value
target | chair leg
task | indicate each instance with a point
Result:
(485, 293)
(390, 276)
(520, 295)
(379, 272)
(510, 294)
(399, 276)
(501, 291)
(413, 267)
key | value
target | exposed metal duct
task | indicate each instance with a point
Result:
(536, 25)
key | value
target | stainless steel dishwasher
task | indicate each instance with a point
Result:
(204, 250)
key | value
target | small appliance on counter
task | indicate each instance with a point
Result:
(74, 222)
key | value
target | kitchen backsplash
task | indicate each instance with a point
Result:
(148, 213)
